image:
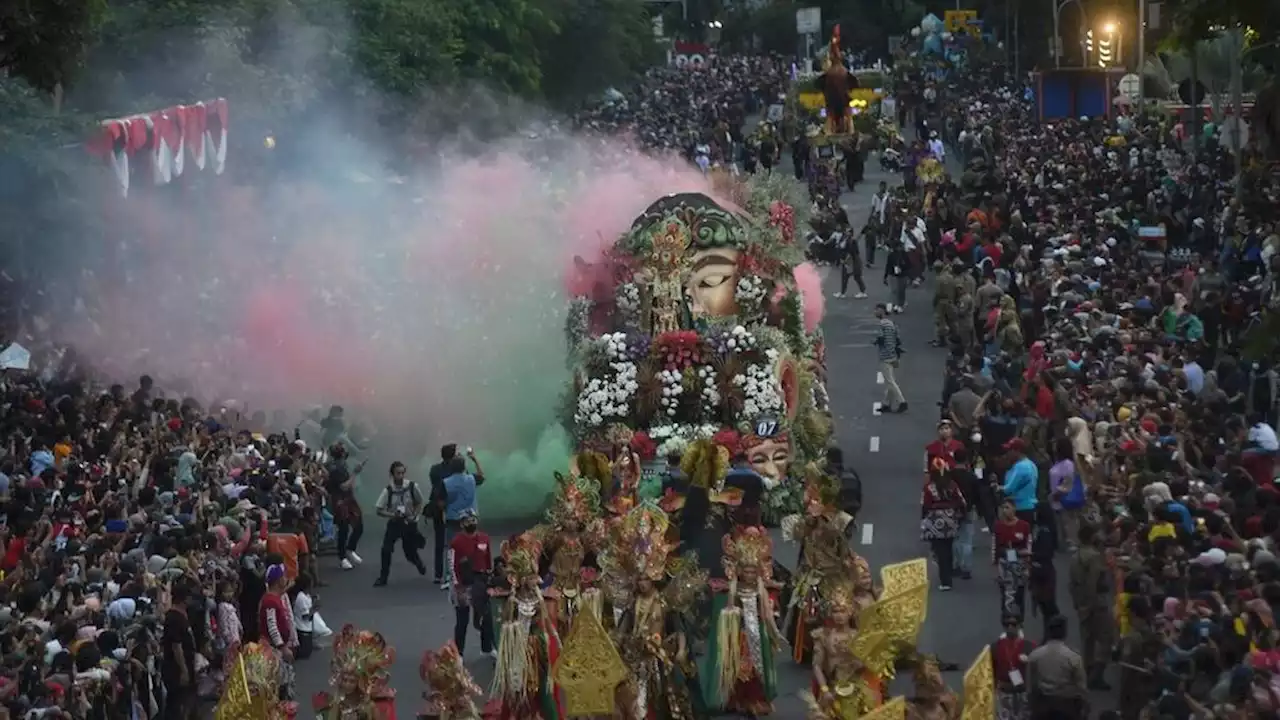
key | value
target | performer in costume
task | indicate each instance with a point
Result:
(571, 540)
(252, 685)
(738, 673)
(360, 674)
(823, 532)
(452, 690)
(836, 82)
(529, 644)
(845, 686)
(650, 633)
(933, 700)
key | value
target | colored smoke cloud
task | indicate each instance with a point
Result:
(431, 305)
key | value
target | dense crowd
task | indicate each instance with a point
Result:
(700, 112)
(1096, 284)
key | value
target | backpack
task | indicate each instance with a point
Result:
(395, 497)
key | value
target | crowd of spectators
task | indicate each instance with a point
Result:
(1098, 282)
(694, 111)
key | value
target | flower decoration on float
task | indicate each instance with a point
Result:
(708, 331)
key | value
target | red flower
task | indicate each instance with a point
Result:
(783, 217)
(679, 349)
(729, 439)
(644, 446)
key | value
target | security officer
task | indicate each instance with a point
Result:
(1089, 594)
(944, 297)
(961, 320)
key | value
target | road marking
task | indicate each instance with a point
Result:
(868, 533)
(875, 443)
(876, 409)
(879, 378)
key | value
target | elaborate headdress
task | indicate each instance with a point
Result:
(520, 556)
(363, 658)
(640, 545)
(452, 689)
(834, 57)
(749, 547)
(928, 678)
(578, 501)
(253, 673)
(821, 491)
(840, 597)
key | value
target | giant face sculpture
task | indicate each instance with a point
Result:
(708, 265)
(769, 456)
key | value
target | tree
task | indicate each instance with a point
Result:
(44, 41)
(602, 43)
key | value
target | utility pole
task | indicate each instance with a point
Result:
(1237, 99)
(1142, 57)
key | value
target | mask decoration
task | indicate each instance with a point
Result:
(708, 334)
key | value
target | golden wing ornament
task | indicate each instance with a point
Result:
(590, 669)
(902, 576)
(236, 702)
(895, 709)
(980, 688)
(875, 650)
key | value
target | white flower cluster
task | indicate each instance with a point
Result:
(607, 398)
(740, 339)
(676, 438)
(761, 395)
(710, 393)
(615, 345)
(750, 289)
(672, 388)
(627, 298)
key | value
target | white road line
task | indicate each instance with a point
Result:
(868, 533)
(876, 409)
(875, 443)
(879, 378)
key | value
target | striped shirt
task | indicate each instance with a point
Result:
(887, 340)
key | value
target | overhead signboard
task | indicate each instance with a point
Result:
(958, 20)
(809, 21)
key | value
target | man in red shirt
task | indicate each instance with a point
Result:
(472, 563)
(945, 446)
(1009, 660)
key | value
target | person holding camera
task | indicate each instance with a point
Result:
(472, 567)
(401, 504)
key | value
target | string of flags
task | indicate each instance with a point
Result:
(158, 145)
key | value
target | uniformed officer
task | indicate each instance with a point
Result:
(944, 296)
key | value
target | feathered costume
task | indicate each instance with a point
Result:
(529, 645)
(739, 673)
(452, 690)
(360, 673)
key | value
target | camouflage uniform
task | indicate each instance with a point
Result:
(944, 296)
(961, 321)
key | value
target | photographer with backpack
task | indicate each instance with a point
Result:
(401, 504)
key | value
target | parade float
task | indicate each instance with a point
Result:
(706, 330)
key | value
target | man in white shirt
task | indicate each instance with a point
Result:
(1263, 437)
(935, 147)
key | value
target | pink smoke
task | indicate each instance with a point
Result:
(429, 302)
(809, 283)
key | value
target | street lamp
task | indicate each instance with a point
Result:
(1109, 28)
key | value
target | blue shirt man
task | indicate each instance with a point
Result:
(1022, 479)
(460, 489)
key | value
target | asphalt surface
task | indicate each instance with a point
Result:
(886, 449)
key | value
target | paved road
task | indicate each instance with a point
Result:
(887, 450)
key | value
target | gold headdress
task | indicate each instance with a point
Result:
(840, 598)
(749, 548)
(253, 673)
(362, 660)
(705, 464)
(594, 466)
(520, 556)
(451, 688)
(821, 491)
(640, 545)
(577, 502)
